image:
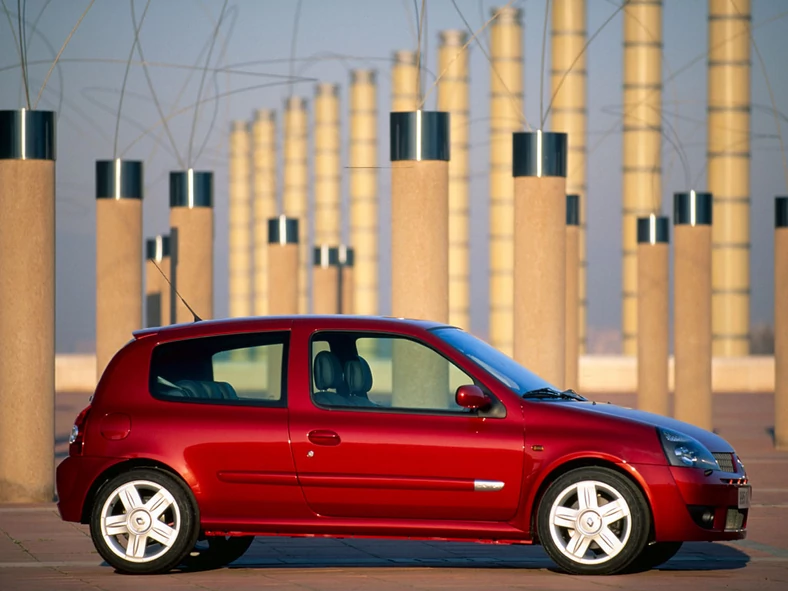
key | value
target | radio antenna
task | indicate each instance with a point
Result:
(180, 297)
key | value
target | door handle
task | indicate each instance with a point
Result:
(323, 437)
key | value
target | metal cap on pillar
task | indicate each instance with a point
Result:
(539, 153)
(572, 210)
(506, 15)
(332, 256)
(652, 230)
(27, 135)
(157, 248)
(283, 230)
(346, 255)
(419, 135)
(191, 188)
(781, 212)
(119, 179)
(692, 209)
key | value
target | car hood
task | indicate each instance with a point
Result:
(713, 442)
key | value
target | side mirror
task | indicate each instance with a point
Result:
(472, 397)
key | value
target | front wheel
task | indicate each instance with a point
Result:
(593, 521)
(144, 521)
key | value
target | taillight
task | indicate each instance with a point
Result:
(77, 438)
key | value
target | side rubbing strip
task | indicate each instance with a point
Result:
(487, 485)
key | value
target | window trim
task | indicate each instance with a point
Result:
(497, 409)
(281, 403)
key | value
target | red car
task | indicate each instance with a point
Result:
(200, 436)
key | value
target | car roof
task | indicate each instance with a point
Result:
(226, 326)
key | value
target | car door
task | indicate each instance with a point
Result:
(405, 450)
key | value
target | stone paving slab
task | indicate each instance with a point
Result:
(39, 552)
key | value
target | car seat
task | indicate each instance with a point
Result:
(207, 390)
(327, 372)
(358, 377)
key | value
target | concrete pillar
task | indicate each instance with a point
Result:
(572, 292)
(642, 151)
(347, 260)
(295, 190)
(506, 106)
(328, 165)
(569, 114)
(539, 170)
(283, 264)
(264, 204)
(728, 157)
(240, 220)
(404, 81)
(652, 311)
(191, 214)
(157, 290)
(27, 313)
(781, 323)
(325, 280)
(692, 400)
(364, 190)
(454, 98)
(419, 248)
(118, 256)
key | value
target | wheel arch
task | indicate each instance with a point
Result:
(562, 467)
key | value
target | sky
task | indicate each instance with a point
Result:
(257, 37)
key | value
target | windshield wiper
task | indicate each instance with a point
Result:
(553, 393)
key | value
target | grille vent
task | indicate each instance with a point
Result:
(725, 460)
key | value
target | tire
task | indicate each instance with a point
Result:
(583, 537)
(217, 551)
(653, 555)
(144, 521)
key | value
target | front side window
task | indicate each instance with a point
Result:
(383, 372)
(234, 369)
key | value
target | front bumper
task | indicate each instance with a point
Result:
(680, 496)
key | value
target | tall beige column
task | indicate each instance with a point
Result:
(325, 280)
(419, 248)
(539, 170)
(240, 219)
(454, 98)
(506, 106)
(728, 156)
(328, 165)
(569, 114)
(283, 265)
(118, 256)
(264, 205)
(692, 400)
(364, 190)
(27, 309)
(572, 360)
(642, 167)
(295, 189)
(404, 81)
(652, 311)
(191, 214)
(157, 290)
(781, 323)
(347, 261)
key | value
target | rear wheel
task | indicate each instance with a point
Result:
(593, 521)
(144, 521)
(217, 551)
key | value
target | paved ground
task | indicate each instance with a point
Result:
(40, 552)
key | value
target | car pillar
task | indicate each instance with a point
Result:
(419, 246)
(692, 398)
(572, 291)
(539, 170)
(27, 316)
(157, 290)
(191, 214)
(118, 253)
(652, 313)
(781, 322)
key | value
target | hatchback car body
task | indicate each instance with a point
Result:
(200, 436)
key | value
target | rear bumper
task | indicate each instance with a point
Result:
(678, 494)
(75, 477)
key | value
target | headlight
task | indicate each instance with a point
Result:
(683, 450)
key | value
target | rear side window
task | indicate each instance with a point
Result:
(233, 369)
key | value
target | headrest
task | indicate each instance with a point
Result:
(358, 376)
(327, 370)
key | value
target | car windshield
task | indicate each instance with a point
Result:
(503, 367)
